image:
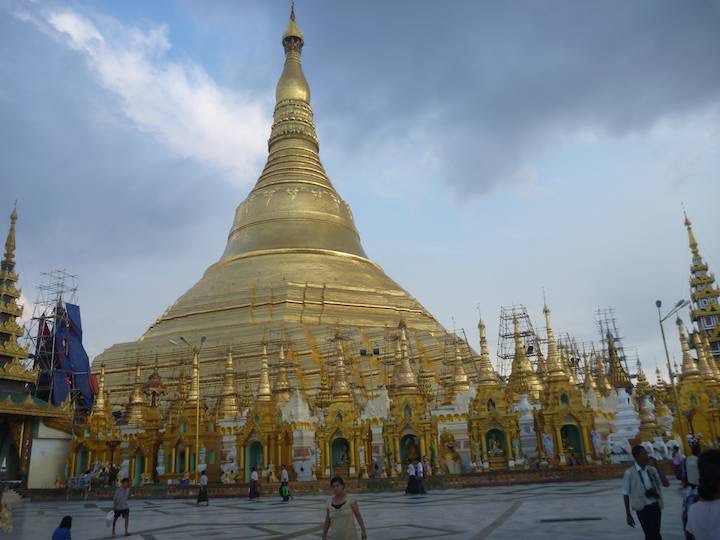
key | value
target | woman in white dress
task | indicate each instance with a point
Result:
(342, 511)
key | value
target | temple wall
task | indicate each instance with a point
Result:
(48, 459)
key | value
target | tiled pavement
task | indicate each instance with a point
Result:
(569, 510)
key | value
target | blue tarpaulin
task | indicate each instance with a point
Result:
(72, 362)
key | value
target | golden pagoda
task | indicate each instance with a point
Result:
(523, 380)
(705, 296)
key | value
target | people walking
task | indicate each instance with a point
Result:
(341, 513)
(412, 485)
(254, 491)
(677, 461)
(120, 504)
(284, 484)
(63, 530)
(202, 492)
(703, 516)
(690, 472)
(420, 476)
(643, 494)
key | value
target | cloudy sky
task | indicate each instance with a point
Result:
(489, 150)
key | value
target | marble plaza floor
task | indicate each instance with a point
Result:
(563, 510)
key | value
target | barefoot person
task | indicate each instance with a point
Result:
(643, 494)
(342, 511)
(120, 504)
(254, 491)
(202, 493)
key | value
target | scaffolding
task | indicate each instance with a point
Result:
(56, 288)
(607, 324)
(506, 337)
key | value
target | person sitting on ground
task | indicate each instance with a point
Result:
(703, 516)
(63, 530)
(120, 504)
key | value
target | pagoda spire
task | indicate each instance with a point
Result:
(404, 378)
(99, 405)
(460, 380)
(11, 311)
(588, 380)
(228, 406)
(264, 392)
(556, 371)
(704, 294)
(136, 405)
(642, 386)
(603, 383)
(689, 370)
(486, 373)
(282, 386)
(618, 376)
(340, 386)
(523, 379)
(710, 358)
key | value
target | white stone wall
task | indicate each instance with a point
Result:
(49, 456)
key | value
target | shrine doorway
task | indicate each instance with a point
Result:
(9, 460)
(253, 457)
(139, 468)
(409, 448)
(81, 461)
(340, 452)
(572, 443)
(180, 458)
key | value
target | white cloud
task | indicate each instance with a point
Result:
(177, 102)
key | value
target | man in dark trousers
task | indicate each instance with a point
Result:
(643, 494)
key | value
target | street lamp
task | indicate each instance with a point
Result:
(680, 304)
(196, 390)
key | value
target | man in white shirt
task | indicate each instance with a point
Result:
(703, 514)
(420, 475)
(284, 484)
(412, 487)
(642, 493)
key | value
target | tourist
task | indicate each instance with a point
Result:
(677, 460)
(703, 516)
(254, 491)
(120, 504)
(691, 474)
(642, 493)
(284, 484)
(112, 475)
(339, 518)
(420, 476)
(412, 485)
(202, 492)
(63, 530)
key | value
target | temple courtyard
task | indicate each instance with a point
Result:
(558, 510)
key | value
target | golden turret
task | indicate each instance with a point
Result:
(10, 311)
(601, 378)
(486, 373)
(523, 379)
(323, 398)
(459, 377)
(711, 359)
(194, 393)
(340, 388)
(556, 369)
(99, 405)
(134, 414)
(281, 390)
(689, 369)
(404, 378)
(228, 407)
(618, 377)
(542, 366)
(704, 367)
(642, 386)
(264, 392)
(588, 380)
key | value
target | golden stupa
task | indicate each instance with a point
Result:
(294, 272)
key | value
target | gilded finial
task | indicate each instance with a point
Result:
(689, 370)
(486, 372)
(340, 387)
(556, 371)
(618, 377)
(404, 376)
(264, 393)
(10, 241)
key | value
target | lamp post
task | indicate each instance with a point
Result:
(680, 304)
(196, 384)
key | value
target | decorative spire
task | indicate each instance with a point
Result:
(689, 369)
(8, 262)
(136, 405)
(603, 383)
(282, 385)
(340, 387)
(460, 380)
(486, 373)
(588, 381)
(542, 366)
(642, 386)
(264, 393)
(324, 394)
(692, 242)
(556, 371)
(523, 379)
(706, 370)
(228, 407)
(404, 378)
(194, 394)
(99, 404)
(711, 359)
(618, 377)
